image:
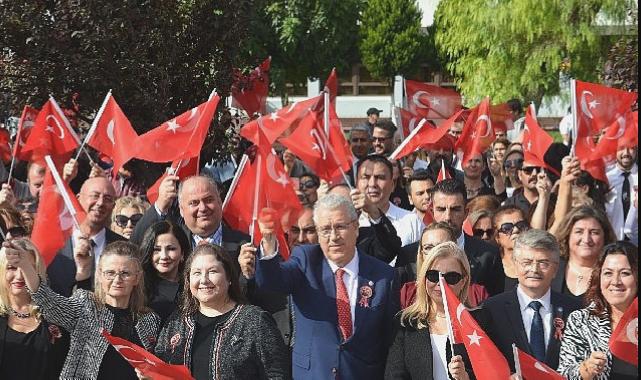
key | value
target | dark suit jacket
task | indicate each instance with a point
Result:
(485, 264)
(62, 270)
(410, 356)
(319, 352)
(501, 319)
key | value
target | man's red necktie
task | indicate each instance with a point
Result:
(342, 306)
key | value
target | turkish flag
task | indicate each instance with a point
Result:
(282, 121)
(623, 133)
(54, 220)
(261, 184)
(501, 116)
(150, 365)
(26, 122)
(487, 361)
(112, 134)
(624, 341)
(531, 369)
(182, 136)
(51, 133)
(250, 91)
(536, 141)
(425, 135)
(467, 227)
(331, 85)
(409, 121)
(478, 133)
(5, 146)
(183, 168)
(443, 174)
(430, 101)
(599, 106)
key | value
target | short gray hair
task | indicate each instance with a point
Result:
(362, 128)
(210, 181)
(538, 239)
(333, 202)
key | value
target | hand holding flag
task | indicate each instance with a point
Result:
(624, 341)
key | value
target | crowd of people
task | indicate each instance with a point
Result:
(543, 261)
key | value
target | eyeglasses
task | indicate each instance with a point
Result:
(339, 229)
(359, 140)
(122, 220)
(307, 185)
(508, 228)
(527, 264)
(31, 207)
(517, 164)
(94, 197)
(478, 232)
(15, 232)
(111, 275)
(452, 278)
(530, 169)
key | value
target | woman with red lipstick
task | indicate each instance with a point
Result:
(164, 248)
(585, 353)
(30, 347)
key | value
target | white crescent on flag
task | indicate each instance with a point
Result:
(121, 350)
(632, 331)
(540, 367)
(416, 99)
(318, 145)
(61, 136)
(584, 104)
(110, 131)
(622, 124)
(277, 176)
(488, 127)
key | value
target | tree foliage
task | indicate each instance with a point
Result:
(517, 48)
(158, 57)
(622, 67)
(392, 41)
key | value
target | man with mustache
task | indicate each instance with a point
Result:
(623, 177)
(97, 198)
(532, 316)
(527, 195)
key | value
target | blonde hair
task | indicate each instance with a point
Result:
(128, 201)
(422, 310)
(131, 252)
(25, 245)
(443, 226)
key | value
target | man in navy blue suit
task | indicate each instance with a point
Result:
(343, 299)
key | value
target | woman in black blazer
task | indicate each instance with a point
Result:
(421, 349)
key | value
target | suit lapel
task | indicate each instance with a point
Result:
(329, 283)
(558, 313)
(364, 281)
(513, 312)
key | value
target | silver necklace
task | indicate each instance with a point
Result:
(20, 315)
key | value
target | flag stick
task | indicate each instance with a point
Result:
(2, 234)
(88, 156)
(16, 144)
(94, 125)
(517, 362)
(574, 116)
(407, 139)
(256, 193)
(326, 112)
(63, 191)
(234, 182)
(450, 330)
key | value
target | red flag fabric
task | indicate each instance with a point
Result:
(5, 146)
(54, 223)
(425, 135)
(331, 85)
(428, 218)
(282, 121)
(430, 101)
(180, 137)
(531, 369)
(623, 133)
(599, 106)
(536, 141)
(150, 365)
(112, 134)
(443, 174)
(51, 133)
(502, 118)
(250, 91)
(468, 228)
(478, 133)
(266, 181)
(409, 121)
(624, 341)
(183, 168)
(27, 120)
(487, 361)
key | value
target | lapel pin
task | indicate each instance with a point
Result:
(366, 293)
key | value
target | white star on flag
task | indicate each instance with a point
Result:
(49, 129)
(274, 116)
(282, 179)
(436, 101)
(475, 339)
(593, 104)
(172, 125)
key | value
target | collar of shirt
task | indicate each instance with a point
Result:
(351, 268)
(100, 239)
(351, 282)
(461, 241)
(524, 300)
(215, 238)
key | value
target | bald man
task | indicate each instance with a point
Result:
(97, 198)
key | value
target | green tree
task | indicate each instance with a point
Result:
(392, 41)
(159, 57)
(518, 48)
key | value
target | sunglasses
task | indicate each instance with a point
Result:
(478, 232)
(308, 185)
(452, 278)
(530, 169)
(509, 164)
(508, 228)
(27, 207)
(122, 220)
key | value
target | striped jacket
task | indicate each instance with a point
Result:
(584, 334)
(83, 318)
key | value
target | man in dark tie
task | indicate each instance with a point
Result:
(623, 178)
(343, 299)
(531, 316)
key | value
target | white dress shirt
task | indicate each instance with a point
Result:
(407, 224)
(350, 278)
(614, 205)
(527, 313)
(100, 239)
(439, 357)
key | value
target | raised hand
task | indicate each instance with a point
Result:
(167, 192)
(247, 260)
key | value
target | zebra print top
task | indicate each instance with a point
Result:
(584, 334)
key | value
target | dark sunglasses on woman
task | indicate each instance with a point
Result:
(123, 220)
(517, 164)
(14, 233)
(479, 233)
(507, 228)
(308, 185)
(452, 278)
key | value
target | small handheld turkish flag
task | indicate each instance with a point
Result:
(531, 369)
(250, 91)
(624, 341)
(430, 101)
(51, 134)
(27, 120)
(141, 359)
